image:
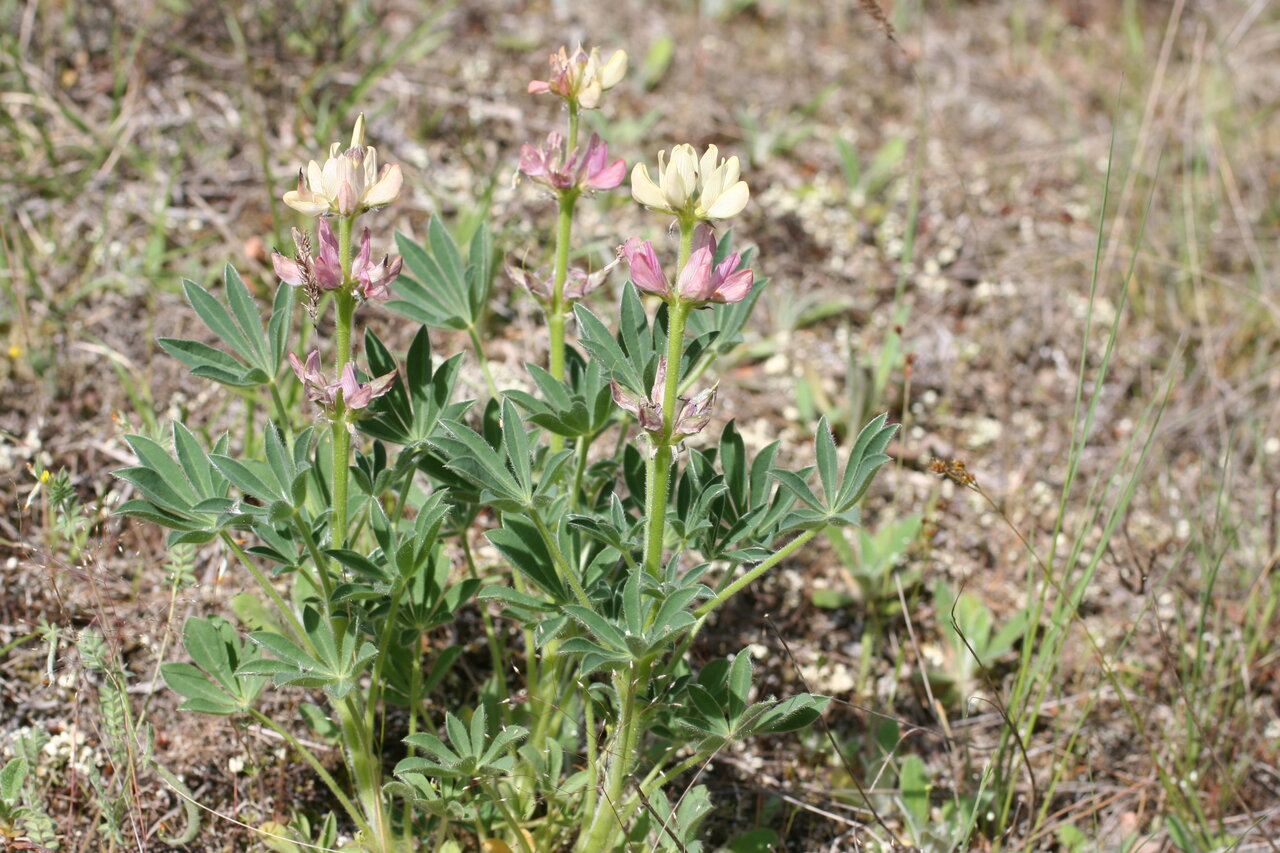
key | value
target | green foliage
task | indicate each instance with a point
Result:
(472, 754)
(330, 660)
(407, 513)
(213, 684)
(255, 354)
(717, 710)
(439, 290)
(841, 493)
(973, 638)
(870, 182)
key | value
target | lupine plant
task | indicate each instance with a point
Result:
(574, 513)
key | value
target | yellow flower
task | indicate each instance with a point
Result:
(348, 183)
(690, 187)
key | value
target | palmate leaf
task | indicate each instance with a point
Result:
(841, 493)
(419, 398)
(596, 339)
(718, 709)
(188, 495)
(255, 354)
(212, 685)
(471, 752)
(438, 290)
(580, 407)
(466, 453)
(519, 542)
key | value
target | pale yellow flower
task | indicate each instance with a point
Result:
(690, 187)
(348, 183)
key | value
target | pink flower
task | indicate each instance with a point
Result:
(648, 411)
(580, 77)
(577, 283)
(646, 272)
(313, 274)
(696, 413)
(355, 395)
(691, 414)
(583, 170)
(701, 283)
(373, 280)
(317, 386)
(305, 270)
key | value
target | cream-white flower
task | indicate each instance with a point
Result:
(348, 183)
(692, 187)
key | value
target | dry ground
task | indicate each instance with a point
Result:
(143, 142)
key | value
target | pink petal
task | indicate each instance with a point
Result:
(288, 270)
(624, 398)
(609, 177)
(735, 288)
(695, 278)
(532, 161)
(704, 237)
(298, 369)
(646, 272)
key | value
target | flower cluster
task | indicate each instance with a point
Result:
(355, 394)
(577, 284)
(701, 281)
(349, 182)
(692, 187)
(579, 170)
(346, 186)
(580, 78)
(317, 273)
(692, 413)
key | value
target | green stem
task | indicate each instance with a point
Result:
(657, 476)
(657, 778)
(574, 110)
(544, 695)
(325, 583)
(557, 558)
(625, 739)
(286, 611)
(580, 470)
(491, 635)
(310, 757)
(658, 469)
(483, 359)
(509, 818)
(346, 308)
(282, 414)
(556, 317)
(593, 758)
(366, 772)
(734, 588)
